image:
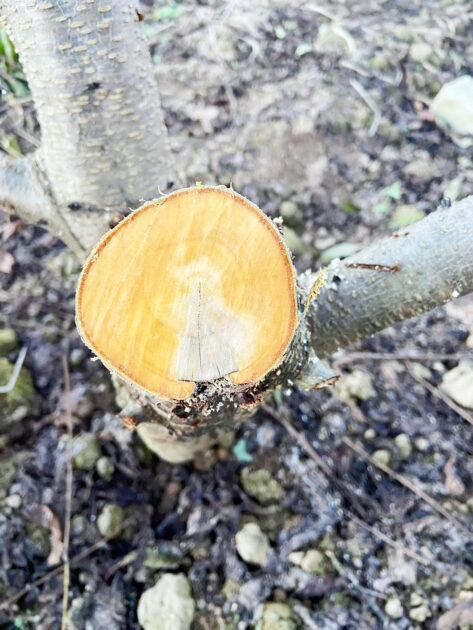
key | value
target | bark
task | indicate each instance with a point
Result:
(104, 144)
(435, 259)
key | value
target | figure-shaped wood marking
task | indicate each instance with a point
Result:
(206, 351)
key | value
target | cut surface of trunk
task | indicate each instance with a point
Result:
(193, 288)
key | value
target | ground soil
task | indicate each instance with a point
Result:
(251, 100)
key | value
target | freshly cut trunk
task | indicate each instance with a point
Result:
(196, 287)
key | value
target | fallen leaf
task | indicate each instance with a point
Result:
(453, 483)
(460, 615)
(6, 262)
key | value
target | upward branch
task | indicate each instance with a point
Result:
(104, 143)
(434, 259)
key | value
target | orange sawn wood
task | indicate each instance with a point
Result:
(193, 287)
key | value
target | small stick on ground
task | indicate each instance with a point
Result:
(68, 507)
(438, 393)
(407, 483)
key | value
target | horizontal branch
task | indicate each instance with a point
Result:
(431, 263)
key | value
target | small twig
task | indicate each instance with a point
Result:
(389, 541)
(4, 389)
(407, 483)
(57, 571)
(438, 393)
(399, 356)
(360, 90)
(68, 507)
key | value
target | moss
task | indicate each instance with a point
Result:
(8, 341)
(22, 401)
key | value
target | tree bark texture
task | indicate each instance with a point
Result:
(435, 265)
(104, 143)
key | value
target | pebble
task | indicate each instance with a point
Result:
(458, 383)
(105, 468)
(314, 561)
(420, 613)
(291, 213)
(86, 451)
(110, 520)
(261, 485)
(252, 544)
(13, 501)
(168, 605)
(453, 105)
(420, 51)
(21, 401)
(404, 445)
(278, 616)
(8, 341)
(422, 444)
(393, 608)
(358, 385)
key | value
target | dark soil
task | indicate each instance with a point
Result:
(246, 103)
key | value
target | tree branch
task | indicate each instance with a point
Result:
(435, 261)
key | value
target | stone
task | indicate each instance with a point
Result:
(314, 561)
(404, 445)
(230, 589)
(382, 456)
(8, 469)
(453, 105)
(420, 613)
(278, 616)
(294, 242)
(420, 51)
(38, 539)
(252, 544)
(357, 385)
(393, 608)
(168, 605)
(105, 468)
(422, 444)
(20, 402)
(291, 213)
(261, 485)
(458, 383)
(8, 341)
(405, 215)
(110, 520)
(13, 501)
(86, 451)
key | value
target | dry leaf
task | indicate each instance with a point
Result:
(453, 483)
(460, 615)
(6, 262)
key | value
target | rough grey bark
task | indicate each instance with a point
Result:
(104, 144)
(435, 259)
